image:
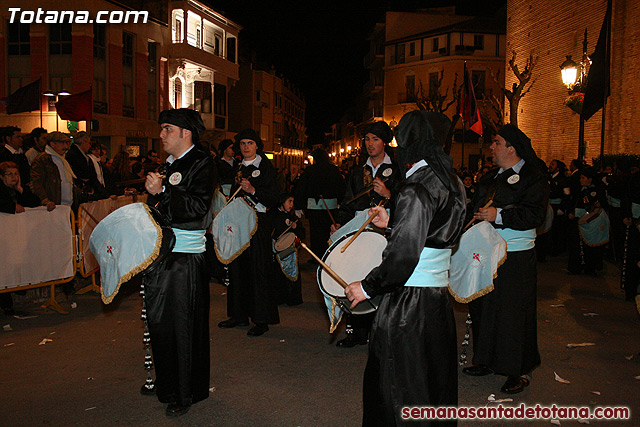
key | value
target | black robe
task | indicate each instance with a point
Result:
(251, 289)
(504, 321)
(287, 291)
(360, 178)
(177, 291)
(412, 350)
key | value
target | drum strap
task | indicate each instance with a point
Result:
(432, 269)
(518, 240)
(189, 241)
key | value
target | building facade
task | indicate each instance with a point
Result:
(275, 108)
(550, 30)
(184, 56)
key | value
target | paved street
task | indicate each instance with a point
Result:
(90, 372)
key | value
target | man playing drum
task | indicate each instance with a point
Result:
(412, 350)
(177, 292)
(504, 321)
(380, 174)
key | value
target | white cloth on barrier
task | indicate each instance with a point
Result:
(37, 246)
(93, 212)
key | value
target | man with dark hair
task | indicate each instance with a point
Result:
(177, 291)
(151, 162)
(11, 151)
(504, 321)
(413, 353)
(381, 174)
(39, 138)
(251, 292)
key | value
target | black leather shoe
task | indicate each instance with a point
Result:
(350, 341)
(514, 385)
(174, 410)
(257, 330)
(477, 370)
(232, 323)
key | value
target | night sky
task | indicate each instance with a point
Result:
(320, 45)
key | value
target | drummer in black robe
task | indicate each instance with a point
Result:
(226, 164)
(379, 174)
(251, 291)
(631, 256)
(284, 221)
(413, 352)
(583, 257)
(504, 321)
(177, 291)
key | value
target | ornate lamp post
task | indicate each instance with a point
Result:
(574, 77)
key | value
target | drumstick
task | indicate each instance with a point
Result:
(362, 227)
(288, 228)
(333, 221)
(328, 269)
(473, 219)
(232, 196)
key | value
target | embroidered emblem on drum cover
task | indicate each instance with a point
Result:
(110, 249)
(230, 228)
(387, 172)
(255, 173)
(513, 179)
(602, 228)
(175, 178)
(477, 258)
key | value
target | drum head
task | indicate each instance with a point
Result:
(285, 242)
(362, 256)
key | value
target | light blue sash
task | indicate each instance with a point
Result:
(614, 202)
(555, 201)
(319, 205)
(432, 269)
(189, 241)
(635, 210)
(518, 240)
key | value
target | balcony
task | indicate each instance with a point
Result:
(184, 50)
(374, 59)
(406, 98)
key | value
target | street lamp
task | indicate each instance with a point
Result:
(55, 95)
(574, 77)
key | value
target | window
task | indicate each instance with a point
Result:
(177, 93)
(435, 45)
(19, 39)
(127, 100)
(478, 42)
(231, 49)
(400, 54)
(152, 80)
(127, 49)
(412, 49)
(477, 79)
(433, 84)
(410, 85)
(202, 96)
(220, 99)
(99, 41)
(60, 39)
(177, 30)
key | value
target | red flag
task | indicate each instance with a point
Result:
(76, 107)
(27, 98)
(468, 107)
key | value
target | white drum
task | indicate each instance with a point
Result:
(362, 256)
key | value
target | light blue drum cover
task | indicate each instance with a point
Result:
(124, 243)
(289, 265)
(595, 229)
(356, 222)
(219, 201)
(232, 230)
(475, 262)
